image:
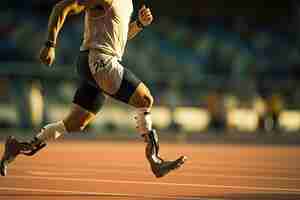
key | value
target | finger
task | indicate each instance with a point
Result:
(147, 22)
(143, 6)
(148, 15)
(51, 59)
(149, 19)
(47, 61)
(44, 62)
(42, 59)
(146, 11)
(146, 18)
(142, 9)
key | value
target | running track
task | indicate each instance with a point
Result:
(118, 170)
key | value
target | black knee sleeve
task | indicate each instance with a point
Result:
(128, 86)
(89, 97)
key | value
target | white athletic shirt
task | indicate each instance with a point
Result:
(109, 31)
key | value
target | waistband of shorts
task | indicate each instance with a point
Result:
(102, 51)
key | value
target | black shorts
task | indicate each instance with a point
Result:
(89, 94)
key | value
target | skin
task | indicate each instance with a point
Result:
(78, 118)
(142, 97)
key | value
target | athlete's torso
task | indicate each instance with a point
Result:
(108, 31)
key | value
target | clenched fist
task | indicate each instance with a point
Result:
(47, 55)
(145, 16)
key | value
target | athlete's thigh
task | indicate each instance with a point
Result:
(87, 102)
(88, 94)
(130, 89)
(118, 81)
(89, 97)
(107, 71)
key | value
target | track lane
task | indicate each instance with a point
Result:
(212, 171)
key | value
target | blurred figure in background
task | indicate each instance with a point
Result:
(274, 106)
(217, 111)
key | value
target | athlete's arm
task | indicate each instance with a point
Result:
(145, 18)
(56, 20)
(59, 14)
(134, 29)
(104, 3)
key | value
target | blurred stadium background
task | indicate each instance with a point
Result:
(216, 68)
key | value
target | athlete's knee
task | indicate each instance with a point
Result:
(147, 101)
(142, 97)
(143, 101)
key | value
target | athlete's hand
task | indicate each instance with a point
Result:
(145, 16)
(47, 55)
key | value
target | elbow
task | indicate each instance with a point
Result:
(57, 8)
(106, 4)
(60, 7)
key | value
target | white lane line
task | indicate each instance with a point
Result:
(70, 192)
(80, 171)
(47, 173)
(261, 189)
(290, 170)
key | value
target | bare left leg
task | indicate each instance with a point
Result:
(87, 102)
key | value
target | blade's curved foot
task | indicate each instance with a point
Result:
(3, 168)
(165, 167)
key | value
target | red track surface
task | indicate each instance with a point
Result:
(114, 170)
